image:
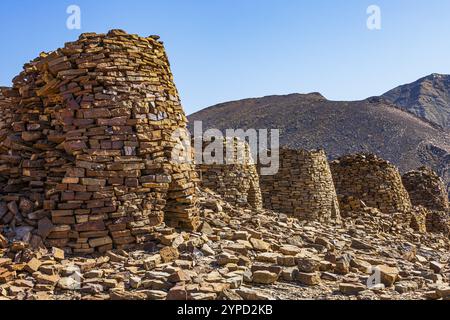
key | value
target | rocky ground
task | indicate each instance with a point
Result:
(244, 254)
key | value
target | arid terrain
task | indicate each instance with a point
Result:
(246, 254)
(97, 201)
(379, 125)
(428, 98)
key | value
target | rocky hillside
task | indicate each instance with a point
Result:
(428, 98)
(310, 121)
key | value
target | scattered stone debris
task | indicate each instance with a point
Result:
(259, 255)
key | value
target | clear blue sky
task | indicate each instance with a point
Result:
(223, 50)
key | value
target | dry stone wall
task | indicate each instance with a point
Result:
(237, 181)
(438, 222)
(372, 180)
(303, 187)
(88, 154)
(5, 124)
(426, 189)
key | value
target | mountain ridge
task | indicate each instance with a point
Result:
(427, 98)
(310, 121)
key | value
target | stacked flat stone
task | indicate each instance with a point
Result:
(372, 180)
(350, 204)
(426, 189)
(6, 118)
(93, 132)
(237, 181)
(438, 222)
(419, 217)
(303, 187)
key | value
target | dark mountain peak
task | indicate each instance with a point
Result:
(377, 99)
(315, 95)
(436, 80)
(427, 98)
(267, 101)
(438, 76)
(311, 95)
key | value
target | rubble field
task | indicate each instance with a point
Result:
(246, 254)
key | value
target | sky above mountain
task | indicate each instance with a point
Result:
(232, 49)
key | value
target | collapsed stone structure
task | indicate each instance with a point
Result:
(236, 180)
(87, 145)
(372, 180)
(303, 187)
(426, 189)
(428, 192)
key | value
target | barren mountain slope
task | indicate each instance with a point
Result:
(310, 121)
(428, 98)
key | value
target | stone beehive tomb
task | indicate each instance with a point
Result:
(426, 189)
(372, 180)
(5, 125)
(237, 181)
(303, 187)
(87, 153)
